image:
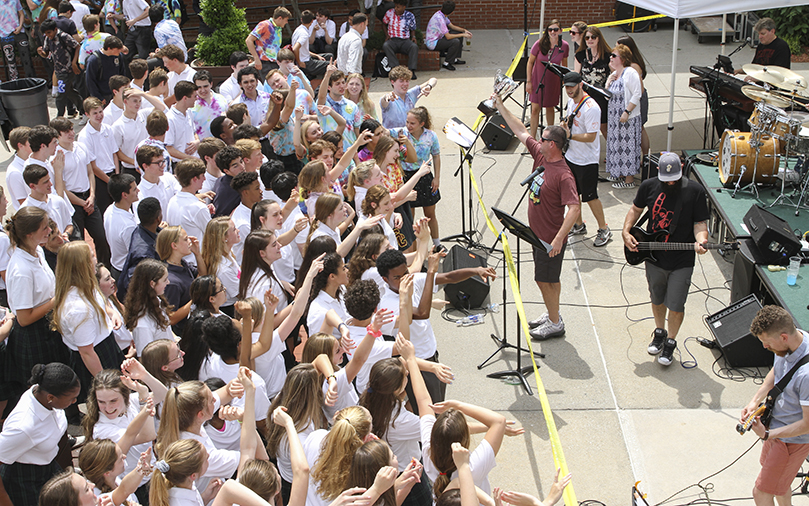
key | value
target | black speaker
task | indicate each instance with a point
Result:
(496, 134)
(469, 293)
(773, 237)
(731, 330)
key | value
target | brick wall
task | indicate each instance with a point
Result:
(471, 14)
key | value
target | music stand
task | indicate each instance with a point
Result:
(523, 233)
(520, 75)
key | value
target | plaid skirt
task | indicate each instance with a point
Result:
(24, 481)
(421, 494)
(25, 348)
(110, 356)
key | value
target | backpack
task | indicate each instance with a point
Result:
(381, 65)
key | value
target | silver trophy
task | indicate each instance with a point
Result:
(503, 86)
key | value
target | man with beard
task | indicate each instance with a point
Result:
(678, 206)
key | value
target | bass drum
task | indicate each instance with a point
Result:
(735, 152)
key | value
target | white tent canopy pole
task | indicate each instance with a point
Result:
(670, 132)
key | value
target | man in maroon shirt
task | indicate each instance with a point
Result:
(550, 193)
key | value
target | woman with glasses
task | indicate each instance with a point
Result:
(624, 122)
(545, 87)
(592, 62)
(577, 34)
(640, 67)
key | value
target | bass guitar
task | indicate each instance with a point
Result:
(649, 242)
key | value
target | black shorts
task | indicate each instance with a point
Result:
(547, 269)
(586, 180)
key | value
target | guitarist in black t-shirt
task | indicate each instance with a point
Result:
(677, 211)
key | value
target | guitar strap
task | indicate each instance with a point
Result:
(779, 387)
(678, 207)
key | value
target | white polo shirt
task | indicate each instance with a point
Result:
(79, 11)
(301, 36)
(185, 210)
(33, 161)
(147, 331)
(80, 322)
(184, 497)
(134, 8)
(101, 143)
(30, 279)
(318, 309)
(114, 429)
(17, 188)
(241, 218)
(270, 365)
(31, 432)
(221, 463)
(215, 367)
(57, 208)
(185, 75)
(111, 114)
(128, 134)
(228, 273)
(166, 187)
(181, 130)
(421, 331)
(119, 225)
(230, 89)
(75, 171)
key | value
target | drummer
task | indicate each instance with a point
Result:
(771, 49)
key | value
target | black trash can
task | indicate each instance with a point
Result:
(26, 101)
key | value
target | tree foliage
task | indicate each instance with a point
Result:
(793, 25)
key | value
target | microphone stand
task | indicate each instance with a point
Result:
(541, 89)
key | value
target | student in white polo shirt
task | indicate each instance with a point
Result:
(181, 141)
(174, 60)
(185, 209)
(114, 110)
(42, 140)
(155, 182)
(230, 89)
(119, 220)
(97, 137)
(80, 188)
(39, 182)
(249, 189)
(130, 129)
(17, 189)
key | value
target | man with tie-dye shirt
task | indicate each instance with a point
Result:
(94, 40)
(331, 93)
(208, 106)
(264, 41)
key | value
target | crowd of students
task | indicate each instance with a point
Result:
(233, 282)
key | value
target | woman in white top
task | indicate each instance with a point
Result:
(268, 215)
(82, 315)
(624, 123)
(103, 462)
(106, 283)
(30, 438)
(147, 312)
(363, 176)
(332, 217)
(261, 249)
(327, 290)
(221, 235)
(33, 284)
(5, 250)
(377, 201)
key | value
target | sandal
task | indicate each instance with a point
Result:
(623, 185)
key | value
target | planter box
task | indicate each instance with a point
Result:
(219, 73)
(428, 60)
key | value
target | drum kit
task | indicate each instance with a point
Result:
(777, 132)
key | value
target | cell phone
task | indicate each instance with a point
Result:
(302, 207)
(3, 312)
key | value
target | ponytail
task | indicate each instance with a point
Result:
(450, 427)
(351, 426)
(325, 205)
(181, 406)
(182, 459)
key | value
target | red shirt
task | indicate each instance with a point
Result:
(549, 194)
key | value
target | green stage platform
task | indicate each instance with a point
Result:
(731, 212)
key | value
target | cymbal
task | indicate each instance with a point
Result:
(792, 80)
(760, 95)
(777, 76)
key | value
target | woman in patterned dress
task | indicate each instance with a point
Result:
(624, 122)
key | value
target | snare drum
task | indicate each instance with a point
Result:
(764, 116)
(785, 128)
(736, 152)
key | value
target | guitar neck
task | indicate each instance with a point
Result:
(674, 246)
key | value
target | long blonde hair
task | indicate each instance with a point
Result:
(311, 177)
(213, 243)
(302, 394)
(75, 268)
(351, 426)
(181, 406)
(358, 176)
(167, 237)
(325, 205)
(96, 458)
(364, 100)
(182, 459)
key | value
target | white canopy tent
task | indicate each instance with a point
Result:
(680, 9)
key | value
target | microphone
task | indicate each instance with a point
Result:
(559, 44)
(539, 170)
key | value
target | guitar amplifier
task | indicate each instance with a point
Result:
(496, 134)
(774, 238)
(472, 292)
(731, 330)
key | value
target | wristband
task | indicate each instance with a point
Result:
(331, 376)
(374, 333)
(342, 324)
(627, 112)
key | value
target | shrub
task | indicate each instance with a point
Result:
(230, 29)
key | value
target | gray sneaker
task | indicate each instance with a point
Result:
(548, 330)
(603, 236)
(538, 322)
(577, 230)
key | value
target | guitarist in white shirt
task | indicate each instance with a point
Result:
(679, 206)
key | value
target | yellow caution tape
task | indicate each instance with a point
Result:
(556, 444)
(618, 22)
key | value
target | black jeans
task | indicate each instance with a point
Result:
(103, 199)
(453, 47)
(94, 224)
(320, 46)
(140, 37)
(68, 96)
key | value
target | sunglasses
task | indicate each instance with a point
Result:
(554, 29)
(591, 37)
(545, 139)
(574, 33)
(613, 55)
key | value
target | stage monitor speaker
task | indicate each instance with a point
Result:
(472, 292)
(496, 134)
(773, 237)
(731, 330)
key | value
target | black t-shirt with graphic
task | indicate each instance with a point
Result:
(775, 53)
(662, 206)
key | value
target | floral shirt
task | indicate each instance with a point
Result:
(392, 176)
(90, 45)
(9, 17)
(426, 146)
(268, 39)
(348, 110)
(202, 114)
(168, 32)
(282, 138)
(436, 28)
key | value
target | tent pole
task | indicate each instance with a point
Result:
(673, 82)
(724, 24)
(541, 18)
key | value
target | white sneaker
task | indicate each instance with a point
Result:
(548, 330)
(538, 322)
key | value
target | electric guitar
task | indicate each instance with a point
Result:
(648, 242)
(764, 410)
